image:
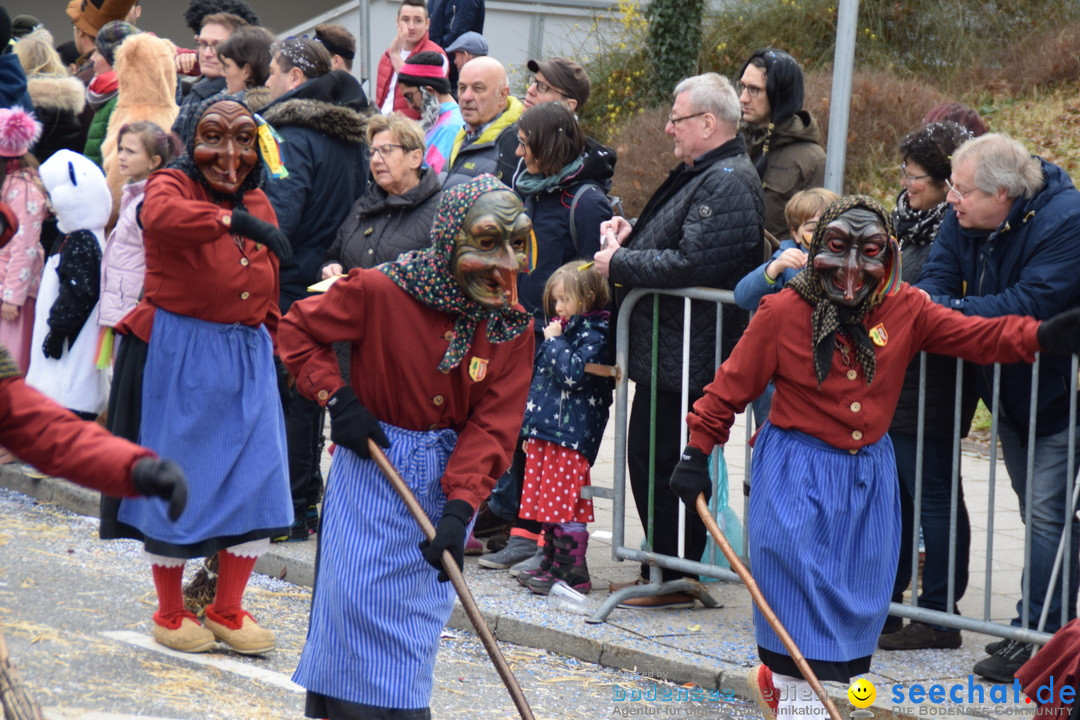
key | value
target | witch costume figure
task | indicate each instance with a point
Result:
(824, 516)
(195, 378)
(441, 363)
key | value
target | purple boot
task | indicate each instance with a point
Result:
(568, 563)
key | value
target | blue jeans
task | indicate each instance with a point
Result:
(1049, 502)
(505, 498)
(935, 522)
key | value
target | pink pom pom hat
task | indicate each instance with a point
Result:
(18, 132)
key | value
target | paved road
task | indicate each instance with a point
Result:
(76, 615)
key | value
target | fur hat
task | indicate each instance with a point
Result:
(18, 132)
(110, 36)
(90, 15)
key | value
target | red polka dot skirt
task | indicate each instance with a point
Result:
(554, 476)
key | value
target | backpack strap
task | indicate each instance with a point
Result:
(573, 206)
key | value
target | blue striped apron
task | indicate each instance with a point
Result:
(377, 609)
(210, 403)
(824, 532)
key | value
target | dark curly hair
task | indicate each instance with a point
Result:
(198, 9)
(932, 147)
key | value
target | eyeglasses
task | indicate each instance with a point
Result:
(522, 143)
(905, 178)
(962, 194)
(676, 120)
(204, 45)
(383, 151)
(543, 88)
(752, 90)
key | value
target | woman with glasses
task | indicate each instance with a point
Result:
(396, 213)
(920, 208)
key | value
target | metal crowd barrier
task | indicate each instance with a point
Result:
(622, 551)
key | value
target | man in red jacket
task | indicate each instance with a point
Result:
(412, 37)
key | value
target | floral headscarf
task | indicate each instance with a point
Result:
(425, 274)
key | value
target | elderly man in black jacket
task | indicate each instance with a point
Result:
(702, 227)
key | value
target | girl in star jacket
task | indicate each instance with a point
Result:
(564, 423)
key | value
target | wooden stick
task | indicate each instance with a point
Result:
(457, 580)
(755, 592)
(15, 701)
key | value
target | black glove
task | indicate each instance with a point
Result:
(53, 347)
(246, 224)
(164, 479)
(1060, 334)
(449, 535)
(351, 424)
(690, 477)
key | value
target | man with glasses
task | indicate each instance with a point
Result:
(702, 227)
(317, 111)
(556, 80)
(214, 30)
(783, 138)
(489, 111)
(1008, 247)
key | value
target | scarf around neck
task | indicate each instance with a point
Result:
(920, 226)
(828, 318)
(425, 275)
(529, 184)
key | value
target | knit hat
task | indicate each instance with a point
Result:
(90, 15)
(22, 25)
(110, 36)
(425, 69)
(18, 132)
(565, 75)
(471, 42)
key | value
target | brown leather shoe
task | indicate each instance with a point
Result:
(669, 601)
(616, 587)
(248, 639)
(190, 637)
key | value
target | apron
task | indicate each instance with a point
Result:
(377, 608)
(210, 403)
(824, 531)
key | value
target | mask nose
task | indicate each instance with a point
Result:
(852, 274)
(506, 270)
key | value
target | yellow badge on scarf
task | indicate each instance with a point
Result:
(879, 335)
(478, 368)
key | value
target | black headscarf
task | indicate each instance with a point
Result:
(828, 318)
(783, 83)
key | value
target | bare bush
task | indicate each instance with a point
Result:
(645, 158)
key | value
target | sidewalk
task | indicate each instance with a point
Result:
(713, 648)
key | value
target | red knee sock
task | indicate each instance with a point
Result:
(233, 574)
(170, 591)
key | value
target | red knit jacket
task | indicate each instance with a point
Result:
(386, 71)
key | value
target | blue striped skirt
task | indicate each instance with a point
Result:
(824, 532)
(378, 609)
(210, 403)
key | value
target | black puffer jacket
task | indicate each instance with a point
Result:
(381, 226)
(702, 227)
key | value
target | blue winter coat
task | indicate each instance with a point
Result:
(450, 19)
(1027, 266)
(549, 211)
(13, 84)
(754, 285)
(566, 406)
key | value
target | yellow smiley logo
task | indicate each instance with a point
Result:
(862, 693)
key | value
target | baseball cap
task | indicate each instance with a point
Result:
(565, 75)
